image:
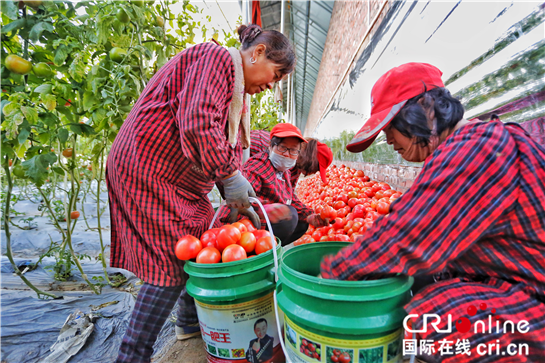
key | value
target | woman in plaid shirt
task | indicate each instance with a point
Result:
(474, 218)
(174, 145)
(269, 174)
(314, 157)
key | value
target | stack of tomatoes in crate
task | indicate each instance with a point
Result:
(350, 201)
(231, 242)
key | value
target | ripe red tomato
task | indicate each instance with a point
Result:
(209, 255)
(188, 247)
(209, 238)
(316, 235)
(383, 208)
(259, 233)
(247, 241)
(228, 235)
(74, 214)
(249, 226)
(334, 358)
(359, 211)
(344, 358)
(312, 348)
(352, 202)
(233, 253)
(241, 227)
(328, 213)
(263, 245)
(339, 204)
(304, 342)
(336, 352)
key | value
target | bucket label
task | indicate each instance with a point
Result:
(303, 346)
(241, 332)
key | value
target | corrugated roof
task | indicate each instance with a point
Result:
(306, 23)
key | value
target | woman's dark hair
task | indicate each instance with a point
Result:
(412, 121)
(278, 48)
(307, 160)
(275, 140)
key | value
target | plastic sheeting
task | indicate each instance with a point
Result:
(30, 325)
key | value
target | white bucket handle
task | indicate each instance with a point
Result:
(275, 270)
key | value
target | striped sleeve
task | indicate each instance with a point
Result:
(464, 187)
(201, 117)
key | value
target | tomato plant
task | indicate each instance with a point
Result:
(62, 90)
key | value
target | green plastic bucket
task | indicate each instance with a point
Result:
(358, 320)
(234, 303)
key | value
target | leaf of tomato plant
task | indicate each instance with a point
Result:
(58, 170)
(38, 29)
(14, 25)
(89, 100)
(36, 167)
(77, 69)
(9, 9)
(49, 101)
(23, 134)
(50, 119)
(61, 53)
(62, 134)
(82, 129)
(45, 88)
(30, 114)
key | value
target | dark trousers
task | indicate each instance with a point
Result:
(151, 310)
(291, 229)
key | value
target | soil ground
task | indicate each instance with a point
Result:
(187, 351)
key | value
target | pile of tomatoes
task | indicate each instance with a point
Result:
(231, 242)
(350, 201)
(340, 357)
(310, 349)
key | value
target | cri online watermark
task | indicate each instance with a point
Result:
(463, 325)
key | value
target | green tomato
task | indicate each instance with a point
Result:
(122, 16)
(33, 3)
(17, 64)
(160, 21)
(318, 350)
(43, 70)
(19, 172)
(139, 3)
(117, 54)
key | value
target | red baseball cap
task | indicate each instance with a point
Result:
(389, 95)
(325, 158)
(287, 130)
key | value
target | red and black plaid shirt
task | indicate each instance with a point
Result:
(261, 141)
(262, 175)
(477, 209)
(165, 159)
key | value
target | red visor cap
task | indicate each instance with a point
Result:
(389, 95)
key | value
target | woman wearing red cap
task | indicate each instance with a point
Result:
(269, 173)
(314, 157)
(474, 219)
(185, 133)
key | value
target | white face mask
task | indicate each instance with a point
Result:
(281, 163)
